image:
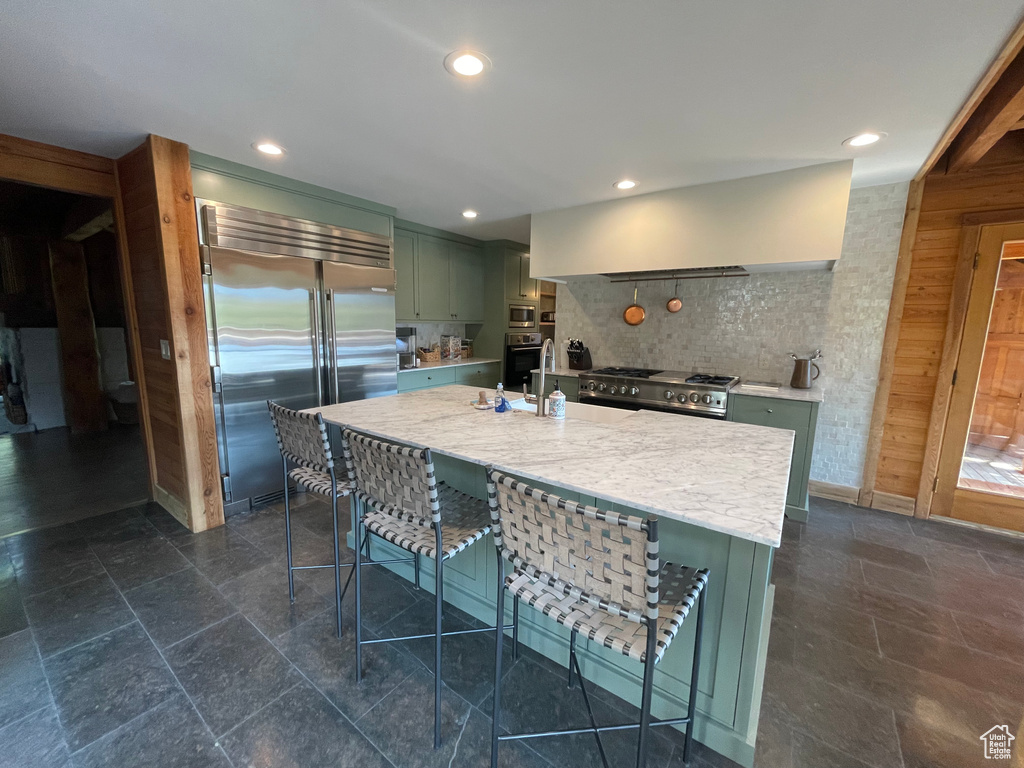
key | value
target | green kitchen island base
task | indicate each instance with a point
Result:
(739, 607)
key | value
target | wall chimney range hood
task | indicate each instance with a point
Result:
(777, 221)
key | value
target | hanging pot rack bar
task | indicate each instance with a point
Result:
(681, 274)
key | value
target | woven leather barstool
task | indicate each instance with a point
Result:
(398, 499)
(597, 573)
(302, 440)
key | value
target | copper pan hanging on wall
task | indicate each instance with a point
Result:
(674, 304)
(634, 314)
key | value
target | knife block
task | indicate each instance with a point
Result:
(580, 361)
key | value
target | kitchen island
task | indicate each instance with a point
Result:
(719, 489)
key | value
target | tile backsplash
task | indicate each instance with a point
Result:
(747, 326)
(428, 334)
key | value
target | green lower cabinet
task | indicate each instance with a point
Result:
(483, 375)
(425, 379)
(570, 386)
(798, 415)
(736, 625)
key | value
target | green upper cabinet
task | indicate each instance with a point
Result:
(432, 279)
(519, 286)
(438, 280)
(405, 275)
(466, 270)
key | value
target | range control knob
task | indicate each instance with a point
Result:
(601, 387)
(694, 397)
(682, 398)
(591, 386)
(613, 390)
(707, 399)
(669, 394)
(634, 391)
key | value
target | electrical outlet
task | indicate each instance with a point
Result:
(165, 349)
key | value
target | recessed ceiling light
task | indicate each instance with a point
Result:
(466, 63)
(863, 139)
(625, 184)
(268, 148)
(469, 213)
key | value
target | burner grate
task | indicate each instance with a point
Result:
(632, 373)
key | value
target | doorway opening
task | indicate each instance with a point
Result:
(70, 445)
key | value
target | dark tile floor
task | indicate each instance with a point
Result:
(53, 477)
(125, 640)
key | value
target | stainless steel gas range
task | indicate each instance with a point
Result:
(696, 394)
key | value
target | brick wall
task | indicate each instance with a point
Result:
(748, 326)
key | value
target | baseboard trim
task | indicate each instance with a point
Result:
(823, 490)
(172, 505)
(893, 502)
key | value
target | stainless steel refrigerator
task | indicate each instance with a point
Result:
(298, 312)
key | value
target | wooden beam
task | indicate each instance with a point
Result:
(55, 167)
(86, 217)
(190, 343)
(85, 406)
(892, 333)
(997, 113)
(1013, 46)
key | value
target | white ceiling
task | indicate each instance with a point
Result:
(582, 92)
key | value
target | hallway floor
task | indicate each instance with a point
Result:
(125, 640)
(53, 477)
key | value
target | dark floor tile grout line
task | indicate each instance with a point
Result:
(121, 727)
(160, 653)
(232, 615)
(249, 717)
(49, 690)
(62, 651)
(27, 715)
(317, 688)
(899, 742)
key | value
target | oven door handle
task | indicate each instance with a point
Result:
(525, 349)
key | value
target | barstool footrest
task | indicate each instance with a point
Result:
(431, 634)
(598, 729)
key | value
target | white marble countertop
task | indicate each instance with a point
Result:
(784, 392)
(718, 475)
(559, 371)
(451, 363)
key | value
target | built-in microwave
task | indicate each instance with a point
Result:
(522, 316)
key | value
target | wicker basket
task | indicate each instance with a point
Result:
(467, 350)
(433, 356)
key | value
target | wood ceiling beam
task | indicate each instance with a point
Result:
(1013, 46)
(997, 114)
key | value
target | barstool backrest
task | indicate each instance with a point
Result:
(607, 559)
(393, 478)
(302, 437)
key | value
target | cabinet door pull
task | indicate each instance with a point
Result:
(770, 411)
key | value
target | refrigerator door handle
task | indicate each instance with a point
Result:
(332, 344)
(314, 311)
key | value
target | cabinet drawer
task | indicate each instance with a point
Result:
(480, 375)
(771, 412)
(431, 377)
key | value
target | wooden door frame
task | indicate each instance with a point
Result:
(980, 254)
(67, 170)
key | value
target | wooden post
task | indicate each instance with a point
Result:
(85, 405)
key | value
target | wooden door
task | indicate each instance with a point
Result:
(981, 476)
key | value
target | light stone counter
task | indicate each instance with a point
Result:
(784, 392)
(723, 476)
(451, 363)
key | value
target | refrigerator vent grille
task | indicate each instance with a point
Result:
(247, 229)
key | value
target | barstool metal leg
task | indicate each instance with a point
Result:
(359, 593)
(438, 603)
(416, 566)
(337, 552)
(572, 653)
(515, 627)
(694, 676)
(499, 636)
(288, 532)
(648, 689)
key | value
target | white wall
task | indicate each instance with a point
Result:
(748, 326)
(41, 383)
(776, 218)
